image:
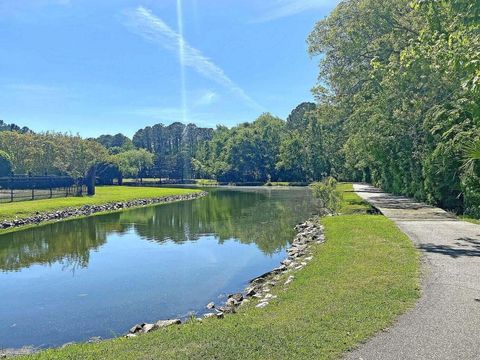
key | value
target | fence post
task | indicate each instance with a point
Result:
(49, 184)
(90, 180)
(33, 186)
(11, 187)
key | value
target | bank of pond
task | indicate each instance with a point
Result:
(94, 277)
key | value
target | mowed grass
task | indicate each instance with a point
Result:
(470, 219)
(351, 202)
(359, 281)
(145, 180)
(104, 195)
(209, 182)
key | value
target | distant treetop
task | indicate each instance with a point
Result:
(298, 118)
(14, 127)
(118, 141)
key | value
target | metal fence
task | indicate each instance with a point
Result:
(27, 187)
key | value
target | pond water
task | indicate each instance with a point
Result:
(98, 276)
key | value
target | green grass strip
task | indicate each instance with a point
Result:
(470, 219)
(104, 195)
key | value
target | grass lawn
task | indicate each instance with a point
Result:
(286, 183)
(104, 195)
(352, 203)
(145, 180)
(206, 182)
(470, 219)
(359, 281)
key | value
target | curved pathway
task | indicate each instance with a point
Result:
(445, 322)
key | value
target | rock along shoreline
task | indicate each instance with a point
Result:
(87, 210)
(298, 255)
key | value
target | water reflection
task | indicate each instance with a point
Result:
(68, 243)
(263, 217)
(100, 275)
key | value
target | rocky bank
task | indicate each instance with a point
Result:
(87, 210)
(259, 288)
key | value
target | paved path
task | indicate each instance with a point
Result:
(445, 323)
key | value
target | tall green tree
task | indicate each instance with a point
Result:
(399, 86)
(248, 152)
(174, 147)
(134, 163)
(302, 150)
(115, 143)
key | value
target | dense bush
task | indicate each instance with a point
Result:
(36, 182)
(400, 88)
(327, 195)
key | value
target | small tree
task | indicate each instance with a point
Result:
(133, 162)
(327, 195)
(5, 164)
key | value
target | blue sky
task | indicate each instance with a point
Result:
(108, 66)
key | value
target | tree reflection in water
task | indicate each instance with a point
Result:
(261, 216)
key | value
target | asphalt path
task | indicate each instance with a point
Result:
(445, 322)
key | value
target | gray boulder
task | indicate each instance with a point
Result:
(166, 323)
(238, 297)
(210, 305)
(149, 327)
(136, 329)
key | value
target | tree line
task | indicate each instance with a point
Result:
(158, 151)
(398, 96)
(13, 127)
(47, 153)
(397, 105)
(268, 149)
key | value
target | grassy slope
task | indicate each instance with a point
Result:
(359, 281)
(104, 194)
(470, 219)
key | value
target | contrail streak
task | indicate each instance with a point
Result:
(154, 29)
(181, 55)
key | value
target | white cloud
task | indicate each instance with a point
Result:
(143, 22)
(284, 8)
(208, 98)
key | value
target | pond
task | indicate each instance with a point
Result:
(98, 276)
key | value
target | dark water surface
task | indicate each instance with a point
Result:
(98, 276)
